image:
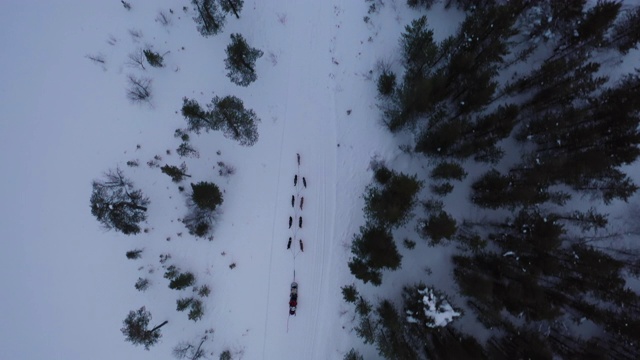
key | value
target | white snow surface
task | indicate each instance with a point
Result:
(65, 120)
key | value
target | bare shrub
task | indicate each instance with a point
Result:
(139, 89)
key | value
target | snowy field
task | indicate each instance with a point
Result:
(65, 120)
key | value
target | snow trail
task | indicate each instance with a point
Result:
(309, 129)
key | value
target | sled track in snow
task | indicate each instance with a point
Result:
(308, 129)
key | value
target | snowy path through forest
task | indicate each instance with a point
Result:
(309, 123)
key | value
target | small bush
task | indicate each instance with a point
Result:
(439, 226)
(153, 58)
(172, 271)
(183, 304)
(134, 254)
(225, 170)
(182, 281)
(409, 244)
(383, 175)
(142, 284)
(226, 355)
(386, 83)
(448, 170)
(197, 310)
(204, 291)
(442, 189)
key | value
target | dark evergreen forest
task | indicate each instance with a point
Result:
(542, 274)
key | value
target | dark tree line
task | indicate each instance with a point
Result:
(388, 204)
(536, 275)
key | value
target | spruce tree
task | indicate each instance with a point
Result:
(240, 61)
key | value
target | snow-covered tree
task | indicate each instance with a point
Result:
(116, 204)
(428, 307)
(241, 60)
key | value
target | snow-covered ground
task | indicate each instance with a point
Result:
(64, 120)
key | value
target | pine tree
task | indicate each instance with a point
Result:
(117, 205)
(184, 303)
(353, 355)
(186, 150)
(373, 250)
(349, 293)
(182, 281)
(234, 6)
(134, 254)
(176, 173)
(419, 50)
(519, 344)
(437, 227)
(153, 58)
(142, 284)
(227, 114)
(448, 170)
(209, 18)
(626, 32)
(197, 310)
(386, 83)
(391, 339)
(206, 195)
(136, 329)
(392, 204)
(240, 61)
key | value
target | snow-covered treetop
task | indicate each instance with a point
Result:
(436, 308)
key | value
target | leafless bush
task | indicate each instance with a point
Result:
(136, 34)
(225, 170)
(139, 89)
(163, 18)
(112, 40)
(136, 59)
(97, 58)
